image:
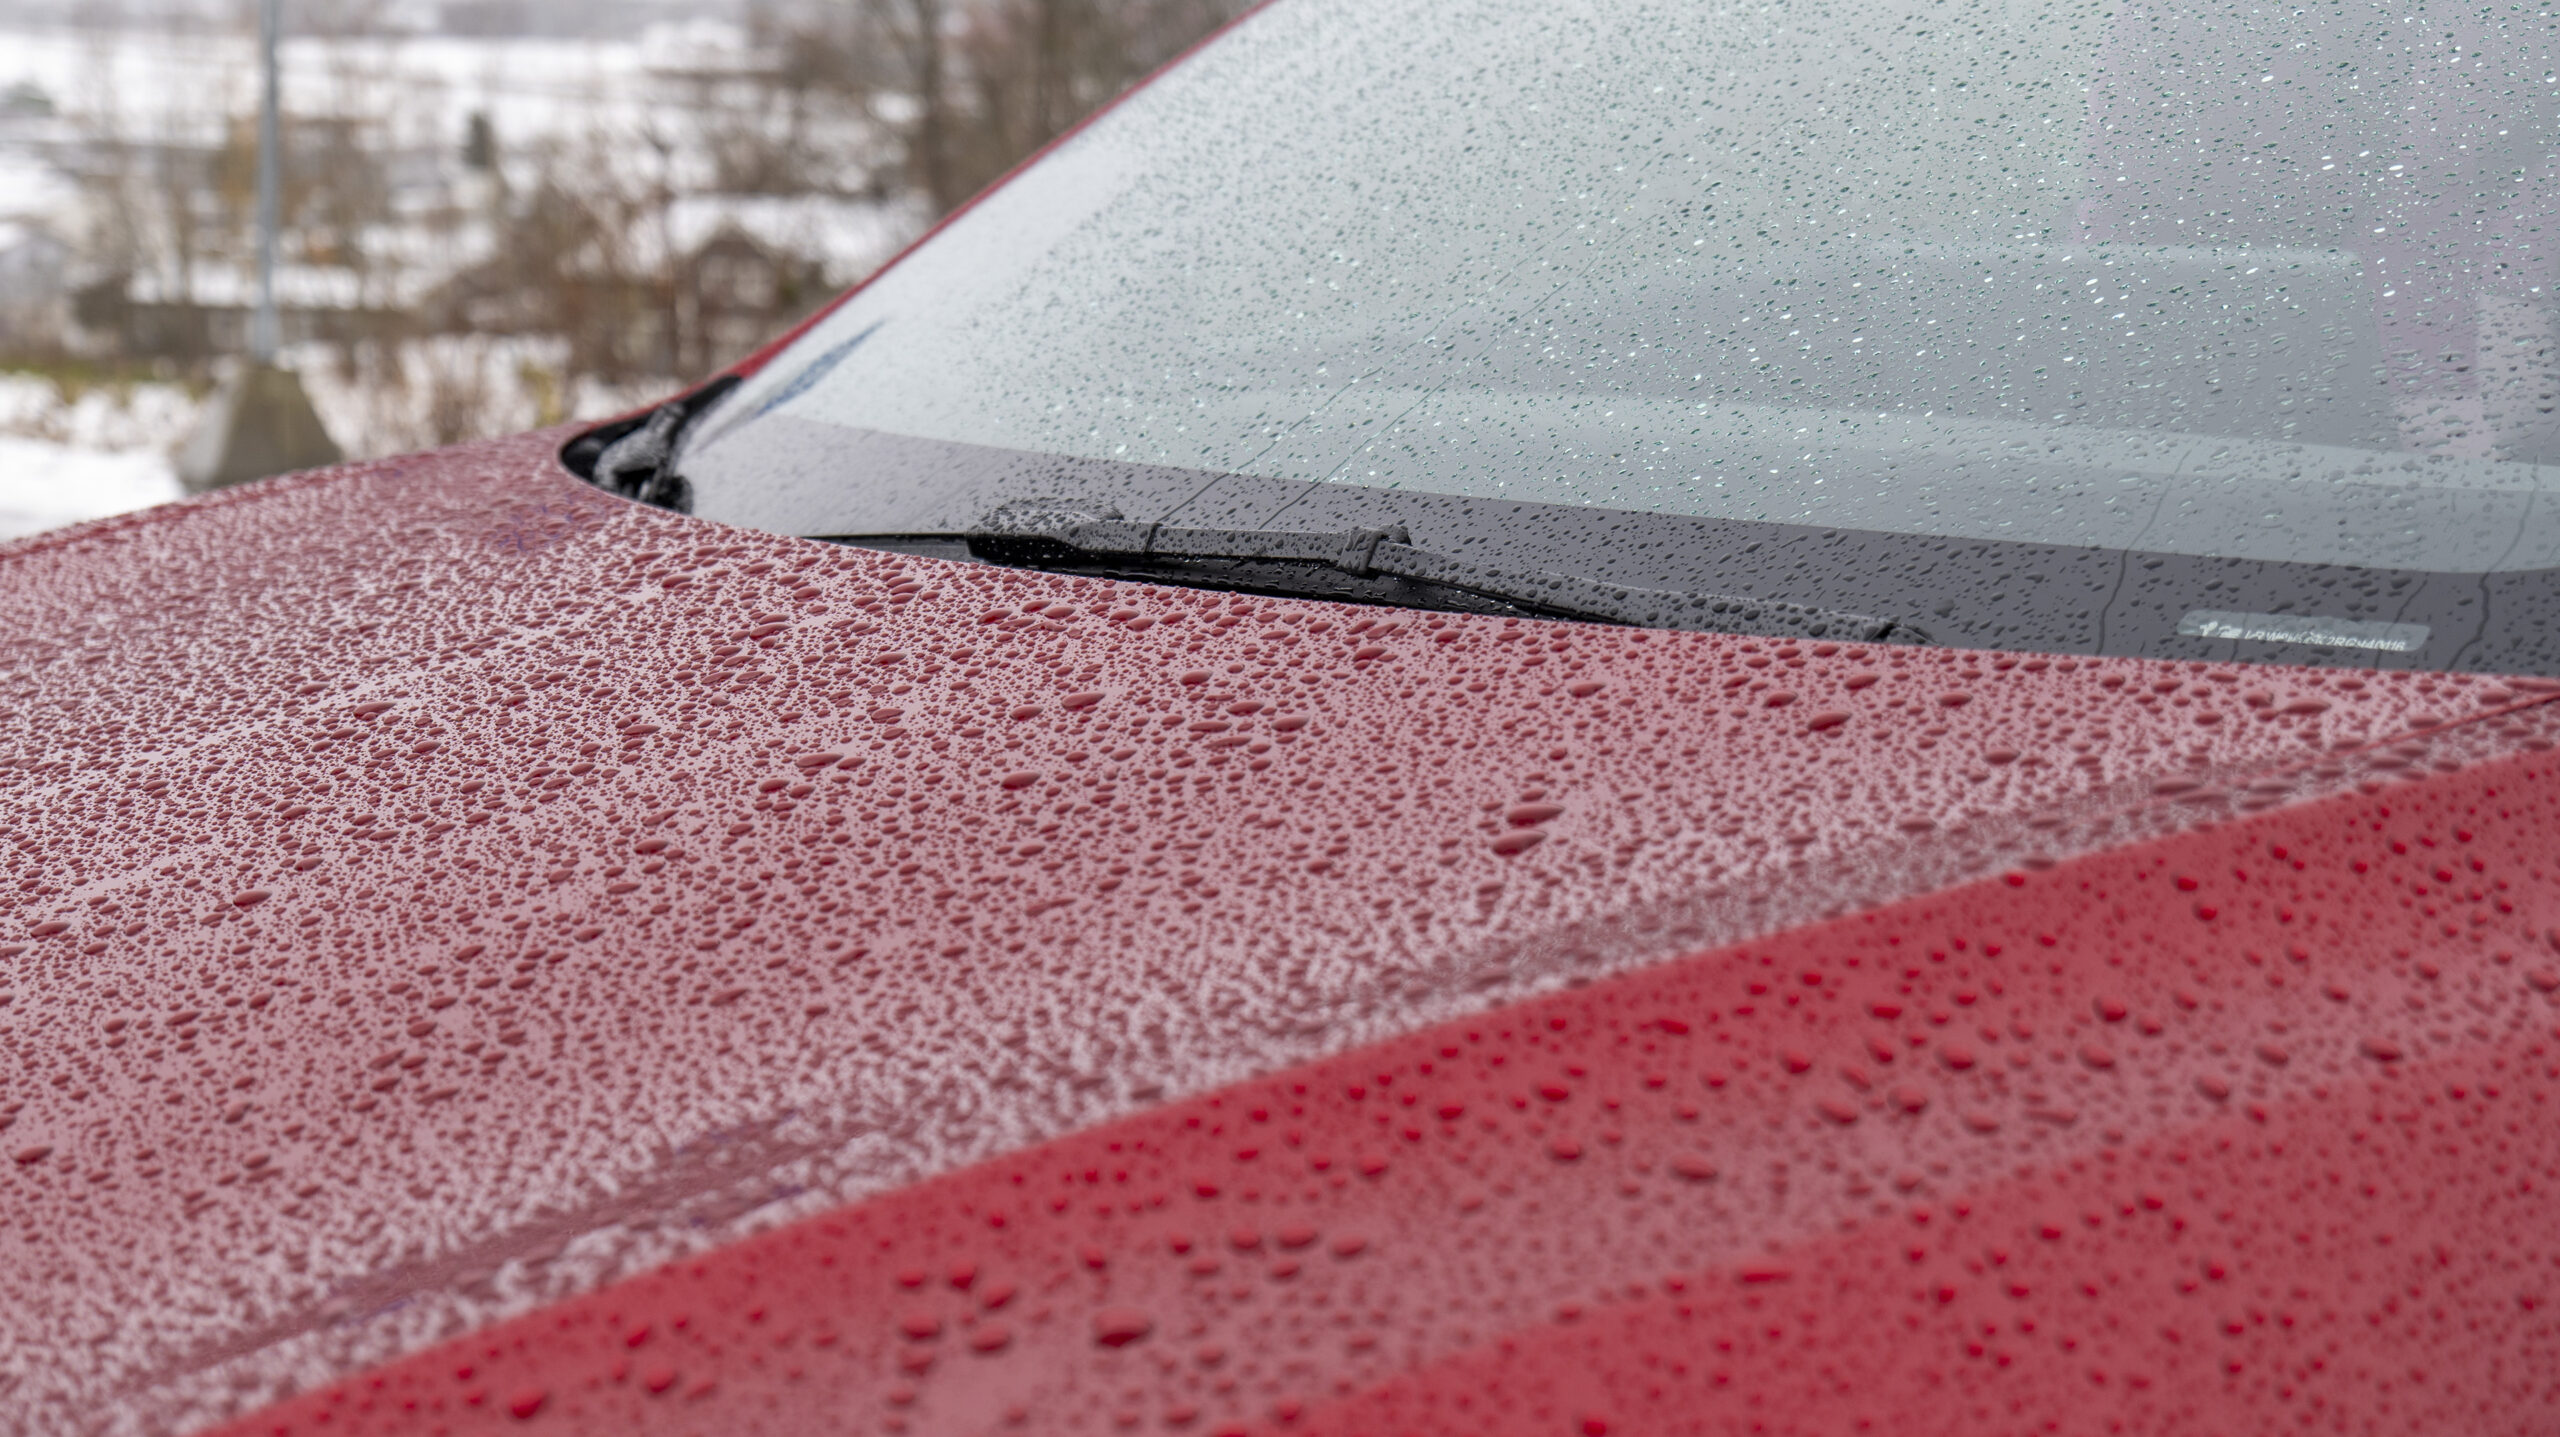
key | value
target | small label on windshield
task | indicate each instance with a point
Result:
(2299, 629)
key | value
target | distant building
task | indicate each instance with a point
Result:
(128, 316)
(490, 19)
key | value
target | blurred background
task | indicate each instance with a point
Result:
(496, 214)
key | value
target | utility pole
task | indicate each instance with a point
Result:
(262, 327)
(260, 422)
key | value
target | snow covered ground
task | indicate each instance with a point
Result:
(65, 458)
(45, 484)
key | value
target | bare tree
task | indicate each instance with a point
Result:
(968, 88)
(545, 273)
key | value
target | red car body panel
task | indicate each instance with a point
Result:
(627, 973)
(2220, 1196)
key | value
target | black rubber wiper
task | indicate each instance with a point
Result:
(635, 457)
(1053, 533)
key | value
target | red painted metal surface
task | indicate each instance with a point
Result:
(2229, 1133)
(439, 894)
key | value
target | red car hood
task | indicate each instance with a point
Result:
(632, 974)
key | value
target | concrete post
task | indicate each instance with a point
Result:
(260, 422)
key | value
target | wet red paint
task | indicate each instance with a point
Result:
(1382, 1241)
(887, 882)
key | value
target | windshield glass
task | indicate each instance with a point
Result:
(2021, 313)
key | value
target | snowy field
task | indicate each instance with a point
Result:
(45, 485)
(65, 459)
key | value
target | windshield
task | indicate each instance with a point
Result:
(2214, 329)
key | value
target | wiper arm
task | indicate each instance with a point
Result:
(636, 457)
(1051, 533)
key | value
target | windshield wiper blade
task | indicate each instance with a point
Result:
(636, 457)
(1049, 533)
